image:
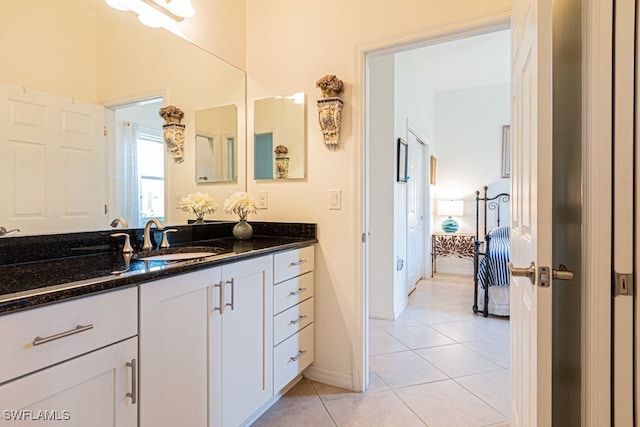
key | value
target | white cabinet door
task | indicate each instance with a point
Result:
(90, 390)
(241, 341)
(174, 335)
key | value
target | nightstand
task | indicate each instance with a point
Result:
(459, 245)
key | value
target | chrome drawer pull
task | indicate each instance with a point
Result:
(134, 375)
(233, 294)
(76, 330)
(298, 320)
(298, 356)
(221, 293)
(295, 264)
(299, 291)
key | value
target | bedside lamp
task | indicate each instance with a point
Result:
(450, 208)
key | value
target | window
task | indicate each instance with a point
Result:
(150, 150)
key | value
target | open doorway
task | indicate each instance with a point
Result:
(454, 98)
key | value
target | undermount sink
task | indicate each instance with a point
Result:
(179, 254)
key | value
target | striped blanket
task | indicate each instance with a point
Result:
(493, 268)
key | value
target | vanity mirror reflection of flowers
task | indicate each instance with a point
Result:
(241, 204)
(198, 203)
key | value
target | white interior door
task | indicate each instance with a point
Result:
(53, 164)
(416, 188)
(531, 212)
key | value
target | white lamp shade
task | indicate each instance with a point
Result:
(450, 207)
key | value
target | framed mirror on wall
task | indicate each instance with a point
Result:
(99, 59)
(280, 137)
(216, 136)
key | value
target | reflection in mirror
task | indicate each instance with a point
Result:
(280, 137)
(139, 162)
(216, 135)
(97, 60)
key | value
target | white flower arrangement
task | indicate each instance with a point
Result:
(241, 204)
(198, 203)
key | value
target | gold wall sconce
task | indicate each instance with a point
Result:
(330, 109)
(173, 131)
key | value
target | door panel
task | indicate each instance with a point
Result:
(531, 211)
(416, 195)
(54, 167)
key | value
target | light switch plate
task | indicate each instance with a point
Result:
(335, 199)
(263, 200)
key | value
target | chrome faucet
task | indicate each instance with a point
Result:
(119, 220)
(146, 238)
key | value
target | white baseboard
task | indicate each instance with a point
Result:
(335, 379)
(382, 314)
(454, 270)
(400, 309)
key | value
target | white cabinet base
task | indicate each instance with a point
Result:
(90, 390)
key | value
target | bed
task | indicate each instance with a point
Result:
(491, 256)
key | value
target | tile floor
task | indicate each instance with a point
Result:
(437, 365)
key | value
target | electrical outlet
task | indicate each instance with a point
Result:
(263, 200)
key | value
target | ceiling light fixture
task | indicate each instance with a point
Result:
(156, 13)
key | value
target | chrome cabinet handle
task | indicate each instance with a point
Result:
(134, 381)
(300, 262)
(298, 320)
(299, 291)
(222, 305)
(298, 356)
(233, 294)
(76, 330)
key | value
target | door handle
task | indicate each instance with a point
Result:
(562, 273)
(529, 272)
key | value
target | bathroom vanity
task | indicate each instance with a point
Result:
(213, 340)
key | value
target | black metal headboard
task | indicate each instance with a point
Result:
(488, 203)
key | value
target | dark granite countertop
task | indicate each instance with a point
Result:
(38, 282)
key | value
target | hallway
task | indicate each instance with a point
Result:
(437, 365)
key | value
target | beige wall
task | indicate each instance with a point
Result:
(219, 27)
(290, 45)
(49, 46)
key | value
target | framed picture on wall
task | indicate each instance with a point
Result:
(506, 151)
(432, 171)
(403, 152)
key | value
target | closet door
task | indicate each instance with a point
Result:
(416, 195)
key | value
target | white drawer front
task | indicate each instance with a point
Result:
(292, 263)
(291, 321)
(106, 318)
(291, 292)
(292, 356)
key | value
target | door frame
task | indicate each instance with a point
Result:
(596, 328)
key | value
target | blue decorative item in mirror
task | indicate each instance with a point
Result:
(449, 225)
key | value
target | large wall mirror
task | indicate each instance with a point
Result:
(216, 135)
(279, 139)
(90, 70)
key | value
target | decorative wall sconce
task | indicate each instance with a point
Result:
(282, 162)
(330, 109)
(173, 131)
